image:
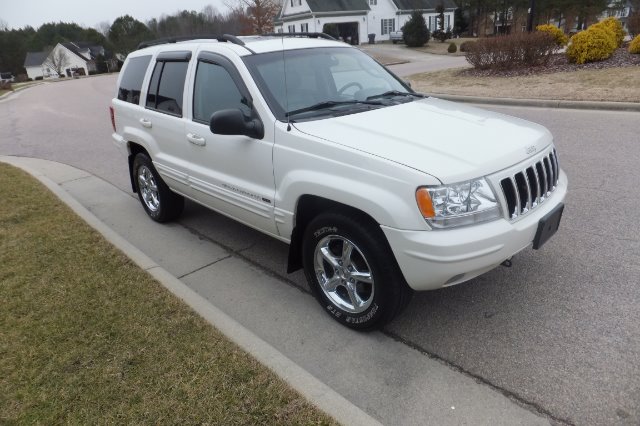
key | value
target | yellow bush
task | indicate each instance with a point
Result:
(634, 46)
(558, 35)
(591, 45)
(614, 25)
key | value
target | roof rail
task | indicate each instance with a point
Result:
(166, 40)
(310, 35)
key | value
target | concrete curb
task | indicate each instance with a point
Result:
(315, 391)
(543, 103)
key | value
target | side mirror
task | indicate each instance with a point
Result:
(233, 122)
(408, 83)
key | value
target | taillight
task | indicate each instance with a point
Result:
(113, 118)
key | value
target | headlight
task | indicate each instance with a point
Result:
(458, 204)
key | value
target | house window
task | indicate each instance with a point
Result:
(373, 2)
(304, 28)
(292, 28)
(433, 25)
(291, 3)
(387, 25)
(299, 2)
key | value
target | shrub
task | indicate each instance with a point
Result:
(39, 77)
(441, 35)
(557, 34)
(634, 46)
(613, 25)
(453, 48)
(464, 47)
(591, 45)
(415, 31)
(512, 51)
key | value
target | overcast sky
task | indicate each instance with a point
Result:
(88, 13)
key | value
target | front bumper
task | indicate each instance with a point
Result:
(439, 258)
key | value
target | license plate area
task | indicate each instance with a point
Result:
(548, 226)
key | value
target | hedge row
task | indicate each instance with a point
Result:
(506, 52)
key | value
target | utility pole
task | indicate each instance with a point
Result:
(532, 12)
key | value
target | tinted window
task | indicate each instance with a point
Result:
(168, 96)
(153, 85)
(132, 76)
(215, 90)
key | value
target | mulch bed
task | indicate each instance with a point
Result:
(559, 63)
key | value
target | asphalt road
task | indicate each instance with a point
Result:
(558, 332)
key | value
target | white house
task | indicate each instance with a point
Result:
(73, 58)
(354, 20)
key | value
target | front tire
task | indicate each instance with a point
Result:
(160, 203)
(352, 271)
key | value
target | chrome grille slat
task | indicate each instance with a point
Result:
(526, 189)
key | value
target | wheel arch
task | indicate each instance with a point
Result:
(134, 149)
(310, 206)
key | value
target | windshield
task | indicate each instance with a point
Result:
(324, 82)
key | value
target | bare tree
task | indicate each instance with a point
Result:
(58, 60)
(103, 28)
(258, 14)
(3, 25)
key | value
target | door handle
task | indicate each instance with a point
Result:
(196, 139)
(145, 123)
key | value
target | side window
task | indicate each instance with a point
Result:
(166, 87)
(215, 90)
(132, 76)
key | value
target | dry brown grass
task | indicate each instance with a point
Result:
(86, 337)
(612, 84)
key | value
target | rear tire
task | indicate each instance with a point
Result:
(160, 203)
(352, 271)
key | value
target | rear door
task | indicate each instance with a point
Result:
(163, 119)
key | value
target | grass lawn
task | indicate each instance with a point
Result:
(87, 337)
(2, 92)
(611, 84)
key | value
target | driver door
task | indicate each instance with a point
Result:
(232, 174)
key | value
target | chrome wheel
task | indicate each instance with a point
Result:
(148, 188)
(343, 274)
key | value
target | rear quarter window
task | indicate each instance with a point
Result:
(132, 77)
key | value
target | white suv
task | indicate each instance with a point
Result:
(377, 189)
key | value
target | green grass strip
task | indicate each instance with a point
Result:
(87, 337)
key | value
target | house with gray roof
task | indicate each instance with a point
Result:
(354, 20)
(65, 59)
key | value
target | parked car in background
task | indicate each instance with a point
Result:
(396, 36)
(7, 77)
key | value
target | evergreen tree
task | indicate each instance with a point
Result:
(415, 31)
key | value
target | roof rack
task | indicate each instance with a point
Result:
(310, 35)
(166, 40)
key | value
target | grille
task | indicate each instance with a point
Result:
(527, 189)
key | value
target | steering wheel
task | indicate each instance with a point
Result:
(348, 85)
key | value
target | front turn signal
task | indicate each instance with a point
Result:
(425, 204)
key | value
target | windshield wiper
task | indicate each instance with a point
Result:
(329, 104)
(393, 93)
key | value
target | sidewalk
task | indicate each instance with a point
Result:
(355, 377)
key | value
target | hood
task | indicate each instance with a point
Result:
(450, 141)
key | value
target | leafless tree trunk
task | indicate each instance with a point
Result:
(58, 59)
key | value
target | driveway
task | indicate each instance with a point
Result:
(414, 62)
